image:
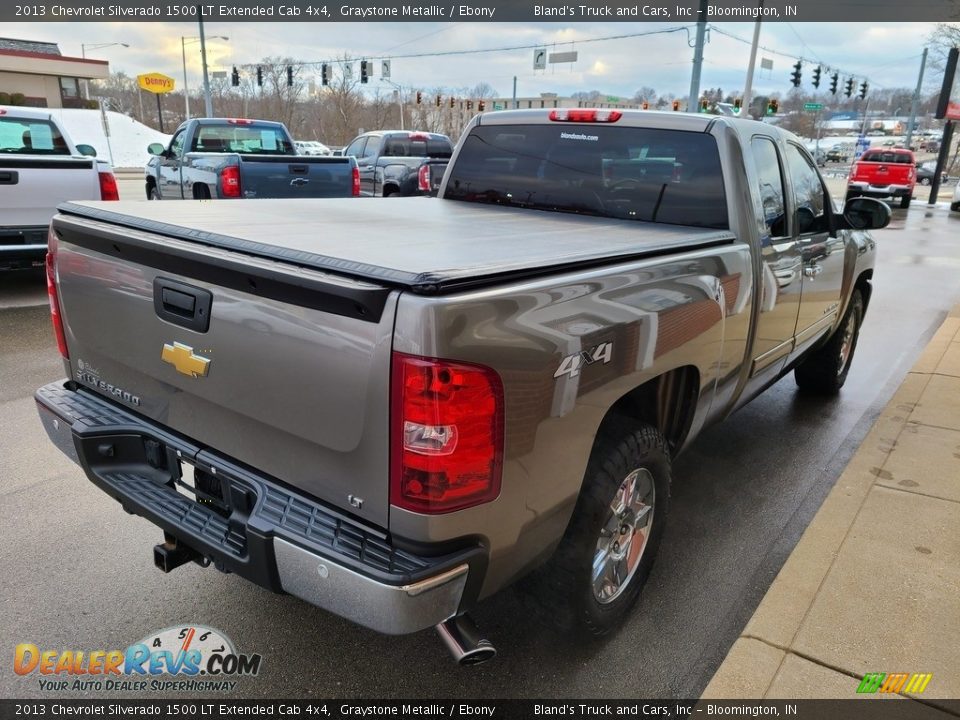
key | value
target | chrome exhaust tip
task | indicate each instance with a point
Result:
(464, 641)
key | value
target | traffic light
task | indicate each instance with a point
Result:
(235, 77)
(816, 77)
(469, 104)
(452, 102)
(439, 101)
(676, 105)
(772, 107)
(863, 89)
(849, 87)
(481, 106)
(365, 72)
(737, 104)
(259, 76)
(833, 82)
(646, 105)
(703, 105)
(419, 94)
(795, 75)
(325, 74)
(289, 76)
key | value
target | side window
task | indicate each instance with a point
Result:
(176, 147)
(373, 146)
(809, 194)
(356, 147)
(771, 185)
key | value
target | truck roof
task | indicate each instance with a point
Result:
(424, 244)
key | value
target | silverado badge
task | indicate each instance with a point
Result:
(184, 360)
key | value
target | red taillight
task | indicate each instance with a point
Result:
(356, 182)
(230, 182)
(423, 178)
(446, 434)
(52, 294)
(585, 115)
(108, 186)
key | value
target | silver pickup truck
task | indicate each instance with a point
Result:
(393, 425)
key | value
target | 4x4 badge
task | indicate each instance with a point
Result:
(185, 360)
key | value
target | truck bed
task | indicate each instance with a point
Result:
(445, 245)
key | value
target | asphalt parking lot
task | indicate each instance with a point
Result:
(78, 572)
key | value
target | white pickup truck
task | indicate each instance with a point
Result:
(40, 167)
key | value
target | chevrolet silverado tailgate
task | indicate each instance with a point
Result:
(295, 176)
(283, 368)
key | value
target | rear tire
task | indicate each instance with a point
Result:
(905, 202)
(599, 569)
(825, 371)
(153, 193)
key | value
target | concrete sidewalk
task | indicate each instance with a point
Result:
(873, 586)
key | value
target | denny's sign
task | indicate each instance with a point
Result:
(156, 83)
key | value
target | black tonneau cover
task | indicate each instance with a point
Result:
(425, 244)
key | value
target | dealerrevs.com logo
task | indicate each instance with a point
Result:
(183, 658)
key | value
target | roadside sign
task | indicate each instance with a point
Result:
(156, 83)
(540, 59)
(498, 106)
(813, 106)
(563, 57)
(385, 69)
(862, 145)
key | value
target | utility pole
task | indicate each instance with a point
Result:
(748, 88)
(692, 104)
(514, 93)
(186, 89)
(916, 99)
(206, 79)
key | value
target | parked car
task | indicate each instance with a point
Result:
(449, 395)
(41, 167)
(927, 171)
(884, 173)
(400, 162)
(839, 153)
(312, 147)
(215, 158)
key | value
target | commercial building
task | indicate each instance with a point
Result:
(44, 77)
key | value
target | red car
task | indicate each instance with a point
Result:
(884, 173)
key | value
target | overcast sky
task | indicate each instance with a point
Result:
(887, 54)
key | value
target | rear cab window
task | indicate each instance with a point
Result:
(630, 173)
(417, 145)
(880, 156)
(249, 138)
(27, 136)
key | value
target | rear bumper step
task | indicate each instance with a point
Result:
(252, 525)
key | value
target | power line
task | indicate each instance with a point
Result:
(449, 53)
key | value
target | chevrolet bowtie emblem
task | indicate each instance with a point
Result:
(184, 360)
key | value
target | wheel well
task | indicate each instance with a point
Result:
(201, 191)
(666, 402)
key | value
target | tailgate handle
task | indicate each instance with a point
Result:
(9, 177)
(299, 169)
(182, 304)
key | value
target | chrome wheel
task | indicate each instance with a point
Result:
(846, 342)
(624, 536)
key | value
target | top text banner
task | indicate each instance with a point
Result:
(684, 11)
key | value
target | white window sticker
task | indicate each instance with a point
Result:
(41, 137)
(268, 140)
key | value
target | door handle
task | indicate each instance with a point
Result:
(811, 271)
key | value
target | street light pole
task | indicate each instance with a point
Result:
(83, 54)
(186, 88)
(206, 79)
(183, 50)
(398, 91)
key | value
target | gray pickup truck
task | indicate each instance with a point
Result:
(211, 158)
(395, 425)
(400, 163)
